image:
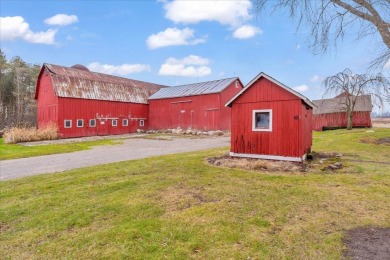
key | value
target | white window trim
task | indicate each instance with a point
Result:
(77, 123)
(65, 123)
(141, 122)
(94, 120)
(254, 120)
(116, 122)
(127, 122)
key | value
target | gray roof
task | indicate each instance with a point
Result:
(79, 82)
(202, 88)
(337, 105)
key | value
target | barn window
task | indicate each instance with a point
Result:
(67, 123)
(80, 122)
(92, 123)
(114, 122)
(262, 120)
(125, 122)
(141, 122)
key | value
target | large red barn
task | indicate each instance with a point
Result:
(270, 121)
(331, 113)
(194, 106)
(85, 103)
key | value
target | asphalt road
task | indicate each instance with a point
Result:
(131, 149)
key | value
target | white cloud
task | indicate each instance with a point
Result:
(232, 13)
(315, 78)
(301, 88)
(121, 70)
(171, 37)
(298, 47)
(190, 66)
(61, 19)
(246, 31)
(387, 65)
(14, 28)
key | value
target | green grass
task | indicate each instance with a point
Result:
(14, 151)
(179, 207)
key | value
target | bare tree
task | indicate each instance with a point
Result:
(349, 87)
(330, 20)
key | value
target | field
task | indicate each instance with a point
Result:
(180, 207)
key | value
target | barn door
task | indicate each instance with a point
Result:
(211, 119)
(103, 126)
(181, 115)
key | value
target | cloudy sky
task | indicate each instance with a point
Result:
(173, 42)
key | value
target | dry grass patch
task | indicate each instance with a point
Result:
(28, 134)
(257, 164)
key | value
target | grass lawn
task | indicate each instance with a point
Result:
(14, 151)
(179, 207)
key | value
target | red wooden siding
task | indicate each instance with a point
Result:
(291, 122)
(47, 101)
(203, 112)
(104, 112)
(339, 120)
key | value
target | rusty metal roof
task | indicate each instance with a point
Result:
(337, 105)
(209, 87)
(77, 83)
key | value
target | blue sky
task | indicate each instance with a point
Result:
(173, 42)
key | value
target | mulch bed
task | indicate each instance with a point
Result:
(367, 243)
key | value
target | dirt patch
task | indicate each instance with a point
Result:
(367, 243)
(369, 140)
(181, 197)
(257, 164)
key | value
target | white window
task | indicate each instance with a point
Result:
(80, 122)
(141, 122)
(92, 123)
(114, 122)
(125, 122)
(262, 120)
(67, 123)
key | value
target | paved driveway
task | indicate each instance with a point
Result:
(131, 149)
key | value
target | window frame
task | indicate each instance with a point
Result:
(125, 120)
(116, 122)
(68, 120)
(254, 112)
(142, 122)
(77, 123)
(92, 120)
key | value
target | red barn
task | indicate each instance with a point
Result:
(84, 103)
(270, 121)
(194, 106)
(331, 113)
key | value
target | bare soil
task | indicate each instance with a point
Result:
(367, 243)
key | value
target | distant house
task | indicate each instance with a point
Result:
(270, 121)
(331, 113)
(85, 103)
(195, 106)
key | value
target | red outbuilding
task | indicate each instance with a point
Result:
(194, 106)
(331, 113)
(270, 121)
(85, 103)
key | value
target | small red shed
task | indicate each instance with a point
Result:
(270, 121)
(331, 113)
(85, 103)
(193, 106)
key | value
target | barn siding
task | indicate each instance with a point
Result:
(70, 109)
(225, 96)
(339, 120)
(47, 104)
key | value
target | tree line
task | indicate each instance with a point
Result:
(17, 89)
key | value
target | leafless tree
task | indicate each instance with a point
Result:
(349, 87)
(330, 20)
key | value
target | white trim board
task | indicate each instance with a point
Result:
(269, 157)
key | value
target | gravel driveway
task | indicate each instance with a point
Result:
(131, 149)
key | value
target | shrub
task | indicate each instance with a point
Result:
(28, 134)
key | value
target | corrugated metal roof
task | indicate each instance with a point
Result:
(337, 105)
(77, 83)
(202, 88)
